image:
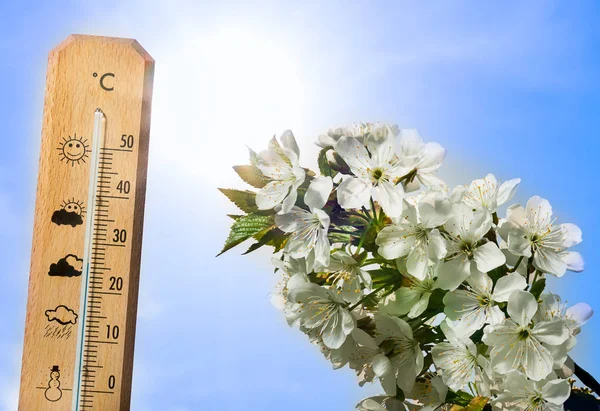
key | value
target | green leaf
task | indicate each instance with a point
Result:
(324, 166)
(459, 398)
(234, 216)
(274, 237)
(385, 276)
(245, 227)
(244, 199)
(251, 175)
(497, 273)
(538, 287)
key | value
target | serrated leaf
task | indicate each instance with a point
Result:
(274, 237)
(234, 216)
(251, 175)
(245, 227)
(244, 199)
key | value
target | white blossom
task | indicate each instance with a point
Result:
(405, 359)
(466, 251)
(415, 234)
(428, 394)
(319, 308)
(552, 307)
(279, 164)
(531, 231)
(420, 159)
(359, 131)
(411, 299)
(486, 192)
(518, 344)
(347, 276)
(526, 395)
(457, 359)
(309, 228)
(374, 165)
(470, 309)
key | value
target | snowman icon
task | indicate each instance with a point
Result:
(53, 392)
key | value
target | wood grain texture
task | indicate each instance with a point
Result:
(73, 92)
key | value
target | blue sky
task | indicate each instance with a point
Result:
(512, 90)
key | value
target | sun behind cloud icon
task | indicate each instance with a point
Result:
(73, 150)
(70, 213)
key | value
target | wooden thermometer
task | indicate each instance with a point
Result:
(87, 239)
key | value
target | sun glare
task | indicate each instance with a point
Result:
(221, 91)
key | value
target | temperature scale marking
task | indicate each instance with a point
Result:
(85, 262)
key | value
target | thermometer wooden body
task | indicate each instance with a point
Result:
(85, 261)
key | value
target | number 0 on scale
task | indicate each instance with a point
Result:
(87, 238)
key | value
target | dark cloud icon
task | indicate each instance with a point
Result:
(70, 213)
(69, 266)
(62, 315)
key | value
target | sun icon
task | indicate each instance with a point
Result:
(73, 150)
(73, 206)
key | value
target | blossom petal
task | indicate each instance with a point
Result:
(452, 273)
(390, 197)
(417, 262)
(481, 283)
(516, 215)
(394, 242)
(354, 153)
(431, 157)
(322, 249)
(431, 180)
(420, 306)
(522, 306)
(507, 284)
(403, 300)
(289, 145)
(537, 360)
(354, 193)
(556, 391)
(574, 261)
(551, 332)
(434, 209)
(539, 211)
(381, 147)
(507, 190)
(488, 256)
(363, 339)
(272, 194)
(318, 192)
(410, 142)
(288, 202)
(579, 313)
(518, 243)
(437, 244)
(572, 234)
(381, 365)
(549, 261)
(459, 303)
